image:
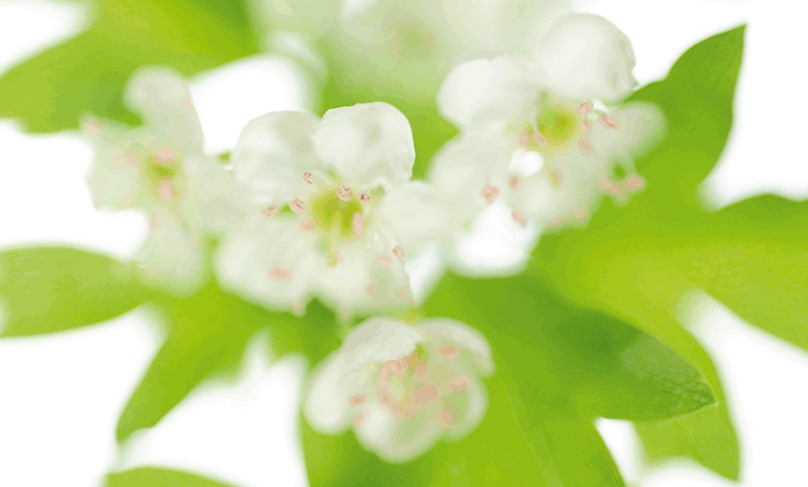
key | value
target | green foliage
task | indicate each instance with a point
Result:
(51, 289)
(158, 477)
(636, 262)
(558, 367)
(51, 91)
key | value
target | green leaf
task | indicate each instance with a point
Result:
(159, 477)
(557, 368)
(209, 333)
(51, 91)
(636, 262)
(51, 289)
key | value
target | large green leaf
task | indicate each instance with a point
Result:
(637, 262)
(158, 477)
(87, 73)
(50, 289)
(558, 367)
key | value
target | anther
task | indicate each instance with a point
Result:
(421, 373)
(634, 182)
(358, 400)
(609, 121)
(277, 272)
(609, 187)
(401, 293)
(383, 260)
(538, 139)
(364, 197)
(427, 393)
(580, 214)
(297, 206)
(585, 145)
(271, 211)
(445, 417)
(586, 126)
(515, 182)
(518, 216)
(308, 177)
(344, 193)
(359, 419)
(490, 193)
(370, 290)
(164, 156)
(166, 189)
(585, 107)
(524, 138)
(458, 384)
(398, 252)
(449, 352)
(130, 160)
(306, 225)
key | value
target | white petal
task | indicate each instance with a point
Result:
(475, 407)
(272, 154)
(584, 56)
(418, 212)
(172, 257)
(377, 428)
(160, 96)
(115, 181)
(215, 201)
(379, 340)
(483, 90)
(642, 126)
(465, 336)
(468, 163)
(327, 405)
(252, 249)
(369, 144)
(411, 437)
(312, 17)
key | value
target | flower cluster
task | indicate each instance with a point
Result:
(325, 208)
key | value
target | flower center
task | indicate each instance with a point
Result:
(334, 217)
(558, 126)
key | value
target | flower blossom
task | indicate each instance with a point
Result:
(402, 387)
(535, 131)
(159, 168)
(334, 212)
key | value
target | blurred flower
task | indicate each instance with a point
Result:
(534, 133)
(335, 211)
(159, 167)
(402, 387)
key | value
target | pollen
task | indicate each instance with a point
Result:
(344, 193)
(164, 156)
(490, 193)
(357, 223)
(279, 273)
(297, 206)
(398, 252)
(609, 121)
(308, 177)
(271, 211)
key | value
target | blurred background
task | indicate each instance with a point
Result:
(60, 394)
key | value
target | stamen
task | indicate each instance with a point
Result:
(427, 393)
(634, 182)
(538, 139)
(359, 419)
(609, 187)
(306, 225)
(277, 272)
(297, 307)
(400, 366)
(580, 214)
(297, 206)
(458, 384)
(358, 400)
(308, 177)
(130, 160)
(585, 145)
(421, 373)
(609, 121)
(515, 182)
(384, 377)
(585, 107)
(271, 211)
(166, 189)
(555, 178)
(357, 223)
(517, 215)
(91, 126)
(370, 290)
(445, 417)
(524, 138)
(401, 293)
(164, 156)
(344, 193)
(398, 252)
(383, 260)
(490, 193)
(586, 126)
(364, 197)
(449, 352)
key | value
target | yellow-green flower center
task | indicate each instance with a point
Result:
(333, 217)
(558, 125)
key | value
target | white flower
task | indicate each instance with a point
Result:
(534, 131)
(335, 213)
(159, 168)
(402, 387)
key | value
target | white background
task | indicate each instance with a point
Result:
(60, 395)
